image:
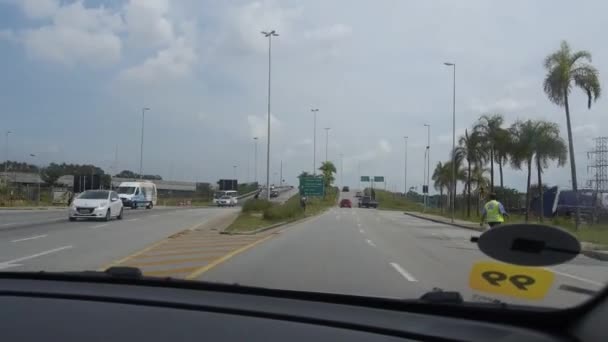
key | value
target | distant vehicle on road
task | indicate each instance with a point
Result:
(367, 202)
(346, 203)
(274, 193)
(345, 189)
(96, 204)
(219, 194)
(226, 201)
(138, 194)
(359, 194)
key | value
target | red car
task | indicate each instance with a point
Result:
(346, 203)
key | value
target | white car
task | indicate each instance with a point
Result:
(97, 204)
(226, 201)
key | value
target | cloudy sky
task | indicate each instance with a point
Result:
(75, 75)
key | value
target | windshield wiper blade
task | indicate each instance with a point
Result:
(123, 272)
(437, 295)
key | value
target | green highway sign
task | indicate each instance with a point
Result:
(312, 186)
(365, 178)
(379, 179)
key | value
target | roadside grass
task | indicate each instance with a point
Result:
(596, 233)
(261, 213)
(182, 201)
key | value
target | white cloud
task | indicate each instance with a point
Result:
(330, 33)
(258, 125)
(38, 8)
(174, 62)
(77, 35)
(384, 146)
(147, 23)
(501, 105)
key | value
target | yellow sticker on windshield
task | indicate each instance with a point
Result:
(511, 280)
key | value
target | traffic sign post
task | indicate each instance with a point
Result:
(372, 180)
(312, 186)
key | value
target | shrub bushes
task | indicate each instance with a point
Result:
(256, 205)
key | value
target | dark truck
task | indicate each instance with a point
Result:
(367, 202)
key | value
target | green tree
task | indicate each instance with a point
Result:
(441, 179)
(548, 146)
(471, 149)
(503, 151)
(490, 130)
(524, 140)
(328, 169)
(51, 174)
(566, 69)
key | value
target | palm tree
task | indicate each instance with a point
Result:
(471, 149)
(489, 128)
(549, 146)
(328, 169)
(502, 149)
(441, 179)
(566, 68)
(524, 136)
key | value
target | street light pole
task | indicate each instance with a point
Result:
(453, 199)
(141, 148)
(405, 168)
(39, 179)
(428, 164)
(342, 169)
(326, 142)
(7, 157)
(281, 174)
(255, 167)
(234, 171)
(268, 35)
(314, 141)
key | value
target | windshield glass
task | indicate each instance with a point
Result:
(127, 190)
(94, 195)
(366, 148)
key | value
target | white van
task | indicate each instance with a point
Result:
(232, 194)
(137, 194)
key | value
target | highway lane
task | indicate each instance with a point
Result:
(386, 254)
(89, 245)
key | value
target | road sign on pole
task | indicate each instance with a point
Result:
(312, 186)
(378, 179)
(365, 178)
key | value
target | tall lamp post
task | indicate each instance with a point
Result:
(7, 157)
(453, 199)
(428, 164)
(314, 141)
(255, 158)
(141, 148)
(326, 142)
(234, 171)
(405, 168)
(39, 179)
(268, 35)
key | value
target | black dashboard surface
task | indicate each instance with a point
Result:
(87, 311)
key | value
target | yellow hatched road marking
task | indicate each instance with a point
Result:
(213, 264)
(170, 271)
(170, 261)
(175, 254)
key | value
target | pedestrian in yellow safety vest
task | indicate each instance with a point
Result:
(493, 212)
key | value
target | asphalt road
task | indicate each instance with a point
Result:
(32, 240)
(386, 254)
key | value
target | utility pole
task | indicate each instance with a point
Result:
(281, 174)
(141, 148)
(342, 169)
(326, 142)
(268, 35)
(255, 167)
(7, 158)
(314, 141)
(428, 164)
(405, 169)
(453, 187)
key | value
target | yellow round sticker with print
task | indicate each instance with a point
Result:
(511, 280)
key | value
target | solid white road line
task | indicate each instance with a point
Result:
(358, 224)
(596, 283)
(30, 238)
(403, 272)
(13, 263)
(361, 231)
(131, 220)
(99, 226)
(370, 242)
